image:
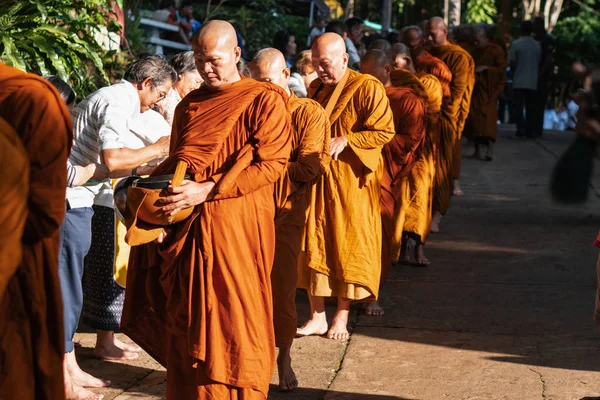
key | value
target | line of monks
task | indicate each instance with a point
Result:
(355, 170)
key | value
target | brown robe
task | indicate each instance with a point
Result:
(455, 111)
(343, 234)
(400, 156)
(31, 328)
(201, 303)
(310, 156)
(482, 121)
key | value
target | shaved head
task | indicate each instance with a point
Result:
(413, 37)
(216, 53)
(380, 44)
(437, 32)
(401, 57)
(329, 58)
(268, 65)
(377, 64)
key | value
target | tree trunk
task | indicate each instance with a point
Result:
(386, 15)
(552, 11)
(454, 13)
(349, 11)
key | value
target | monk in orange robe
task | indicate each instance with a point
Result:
(401, 157)
(198, 299)
(309, 157)
(490, 78)
(425, 63)
(343, 234)
(455, 112)
(32, 345)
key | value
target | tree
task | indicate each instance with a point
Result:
(551, 11)
(452, 12)
(481, 11)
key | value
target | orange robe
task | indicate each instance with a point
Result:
(482, 120)
(442, 187)
(201, 304)
(310, 155)
(456, 110)
(32, 342)
(400, 157)
(343, 233)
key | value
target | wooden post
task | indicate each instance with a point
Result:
(386, 15)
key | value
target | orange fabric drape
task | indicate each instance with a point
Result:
(31, 308)
(208, 289)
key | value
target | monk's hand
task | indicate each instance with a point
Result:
(189, 194)
(337, 145)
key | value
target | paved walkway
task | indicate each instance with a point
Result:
(504, 311)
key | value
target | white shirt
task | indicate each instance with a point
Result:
(572, 109)
(563, 120)
(353, 57)
(296, 84)
(550, 119)
(526, 53)
(100, 122)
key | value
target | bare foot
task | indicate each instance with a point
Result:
(420, 258)
(456, 190)
(373, 309)
(113, 353)
(78, 376)
(125, 346)
(287, 377)
(76, 392)
(314, 326)
(435, 222)
(339, 327)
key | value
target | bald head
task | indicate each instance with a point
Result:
(413, 37)
(437, 32)
(330, 58)
(377, 64)
(401, 57)
(216, 53)
(380, 44)
(268, 65)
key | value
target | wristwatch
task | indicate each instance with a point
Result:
(134, 172)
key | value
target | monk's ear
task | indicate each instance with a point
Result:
(345, 57)
(286, 73)
(388, 69)
(408, 61)
(238, 54)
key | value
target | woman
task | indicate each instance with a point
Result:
(188, 79)
(285, 41)
(490, 77)
(303, 74)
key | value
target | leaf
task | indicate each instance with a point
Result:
(42, 44)
(11, 56)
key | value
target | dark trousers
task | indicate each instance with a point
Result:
(75, 241)
(528, 99)
(542, 99)
(503, 104)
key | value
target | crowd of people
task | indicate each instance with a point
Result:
(318, 170)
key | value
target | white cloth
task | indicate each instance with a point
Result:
(550, 119)
(572, 109)
(562, 120)
(353, 57)
(526, 53)
(296, 84)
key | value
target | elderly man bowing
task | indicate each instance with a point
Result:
(200, 301)
(343, 237)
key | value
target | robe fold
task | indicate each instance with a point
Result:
(482, 121)
(310, 156)
(400, 156)
(201, 302)
(343, 234)
(31, 341)
(454, 115)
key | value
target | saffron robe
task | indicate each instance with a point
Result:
(482, 120)
(201, 303)
(343, 233)
(309, 157)
(31, 340)
(400, 157)
(456, 110)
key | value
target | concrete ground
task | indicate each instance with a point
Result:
(503, 312)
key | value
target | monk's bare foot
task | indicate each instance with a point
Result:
(76, 392)
(420, 258)
(107, 348)
(456, 190)
(315, 326)
(78, 376)
(125, 346)
(287, 377)
(339, 327)
(373, 309)
(435, 222)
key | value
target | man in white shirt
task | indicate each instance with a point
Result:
(101, 125)
(524, 56)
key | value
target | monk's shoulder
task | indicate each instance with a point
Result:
(308, 106)
(270, 93)
(366, 85)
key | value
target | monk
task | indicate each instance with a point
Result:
(32, 344)
(425, 63)
(454, 114)
(490, 78)
(380, 44)
(343, 234)
(199, 298)
(309, 156)
(400, 156)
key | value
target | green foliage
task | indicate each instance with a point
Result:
(57, 38)
(481, 11)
